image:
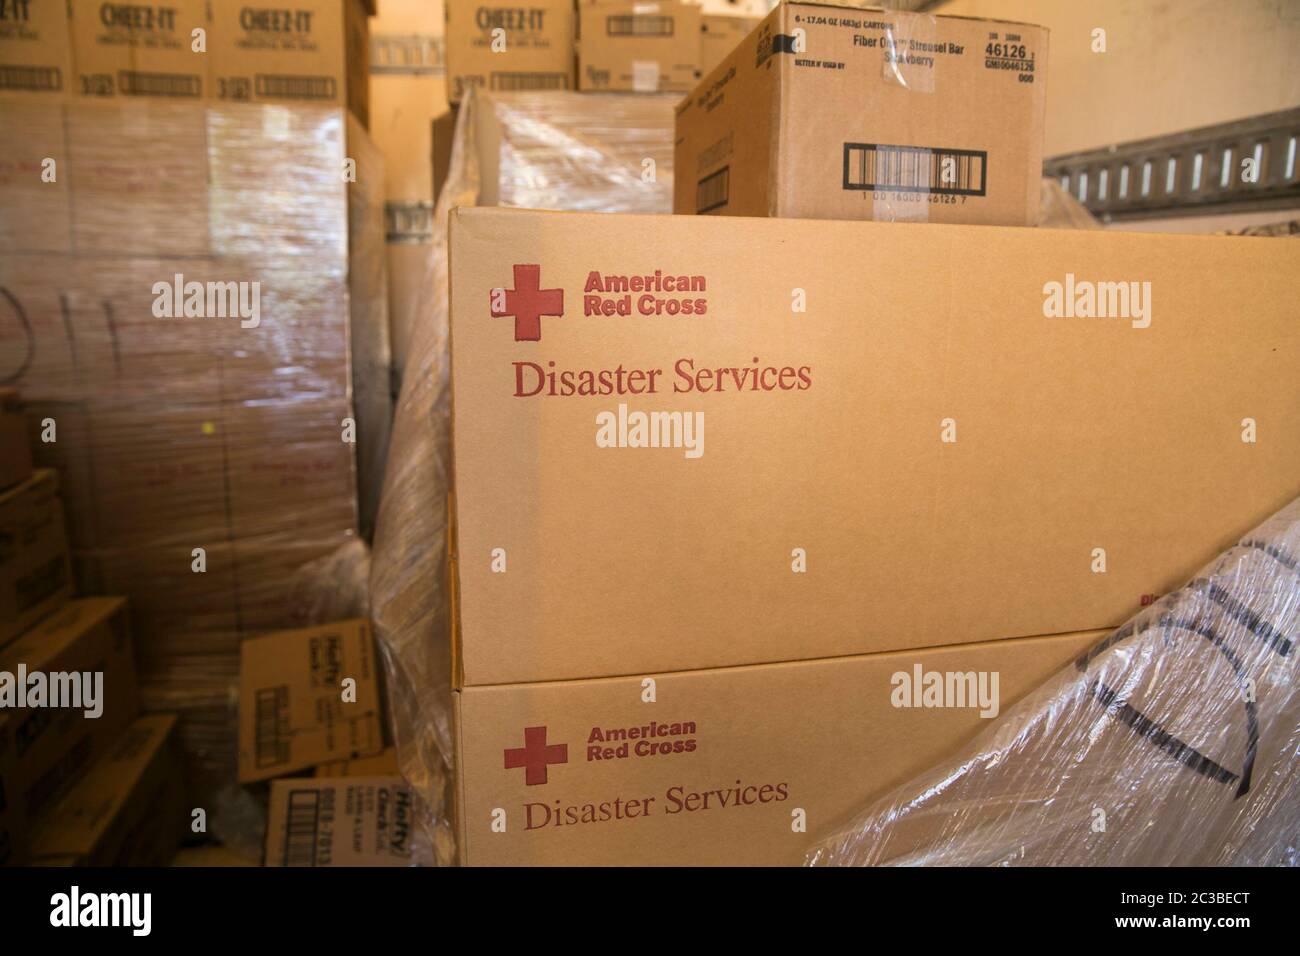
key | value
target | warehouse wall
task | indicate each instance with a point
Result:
(1169, 65)
(402, 110)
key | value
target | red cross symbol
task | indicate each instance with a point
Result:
(535, 755)
(528, 303)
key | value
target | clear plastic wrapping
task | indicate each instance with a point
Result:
(1057, 209)
(175, 432)
(1173, 742)
(541, 150)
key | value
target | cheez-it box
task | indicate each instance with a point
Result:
(684, 442)
(140, 49)
(835, 112)
(639, 47)
(507, 46)
(35, 47)
(307, 52)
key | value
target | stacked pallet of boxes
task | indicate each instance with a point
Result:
(176, 289)
(83, 778)
(677, 643)
(590, 45)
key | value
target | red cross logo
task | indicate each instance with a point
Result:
(535, 754)
(528, 303)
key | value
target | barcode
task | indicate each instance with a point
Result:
(711, 192)
(915, 169)
(507, 82)
(158, 84)
(296, 87)
(300, 828)
(271, 719)
(31, 78)
(632, 25)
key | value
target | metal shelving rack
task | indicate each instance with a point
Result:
(1197, 172)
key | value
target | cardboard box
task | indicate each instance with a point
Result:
(928, 453)
(35, 572)
(44, 748)
(382, 764)
(140, 49)
(631, 46)
(14, 848)
(356, 821)
(292, 712)
(129, 808)
(35, 47)
(534, 46)
(719, 35)
(734, 767)
(829, 112)
(15, 451)
(309, 52)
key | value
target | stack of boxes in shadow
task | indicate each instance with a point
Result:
(185, 298)
(83, 778)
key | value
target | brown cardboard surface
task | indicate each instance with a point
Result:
(538, 53)
(638, 46)
(1071, 434)
(139, 49)
(719, 35)
(354, 821)
(35, 573)
(42, 750)
(382, 764)
(127, 810)
(833, 112)
(15, 452)
(716, 769)
(313, 51)
(292, 714)
(35, 47)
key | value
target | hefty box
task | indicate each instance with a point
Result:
(719, 35)
(140, 49)
(828, 112)
(67, 691)
(352, 821)
(630, 46)
(508, 46)
(307, 697)
(307, 52)
(35, 571)
(129, 808)
(739, 766)
(688, 442)
(35, 48)
(15, 450)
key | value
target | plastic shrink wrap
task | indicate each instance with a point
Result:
(536, 150)
(1173, 742)
(178, 432)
